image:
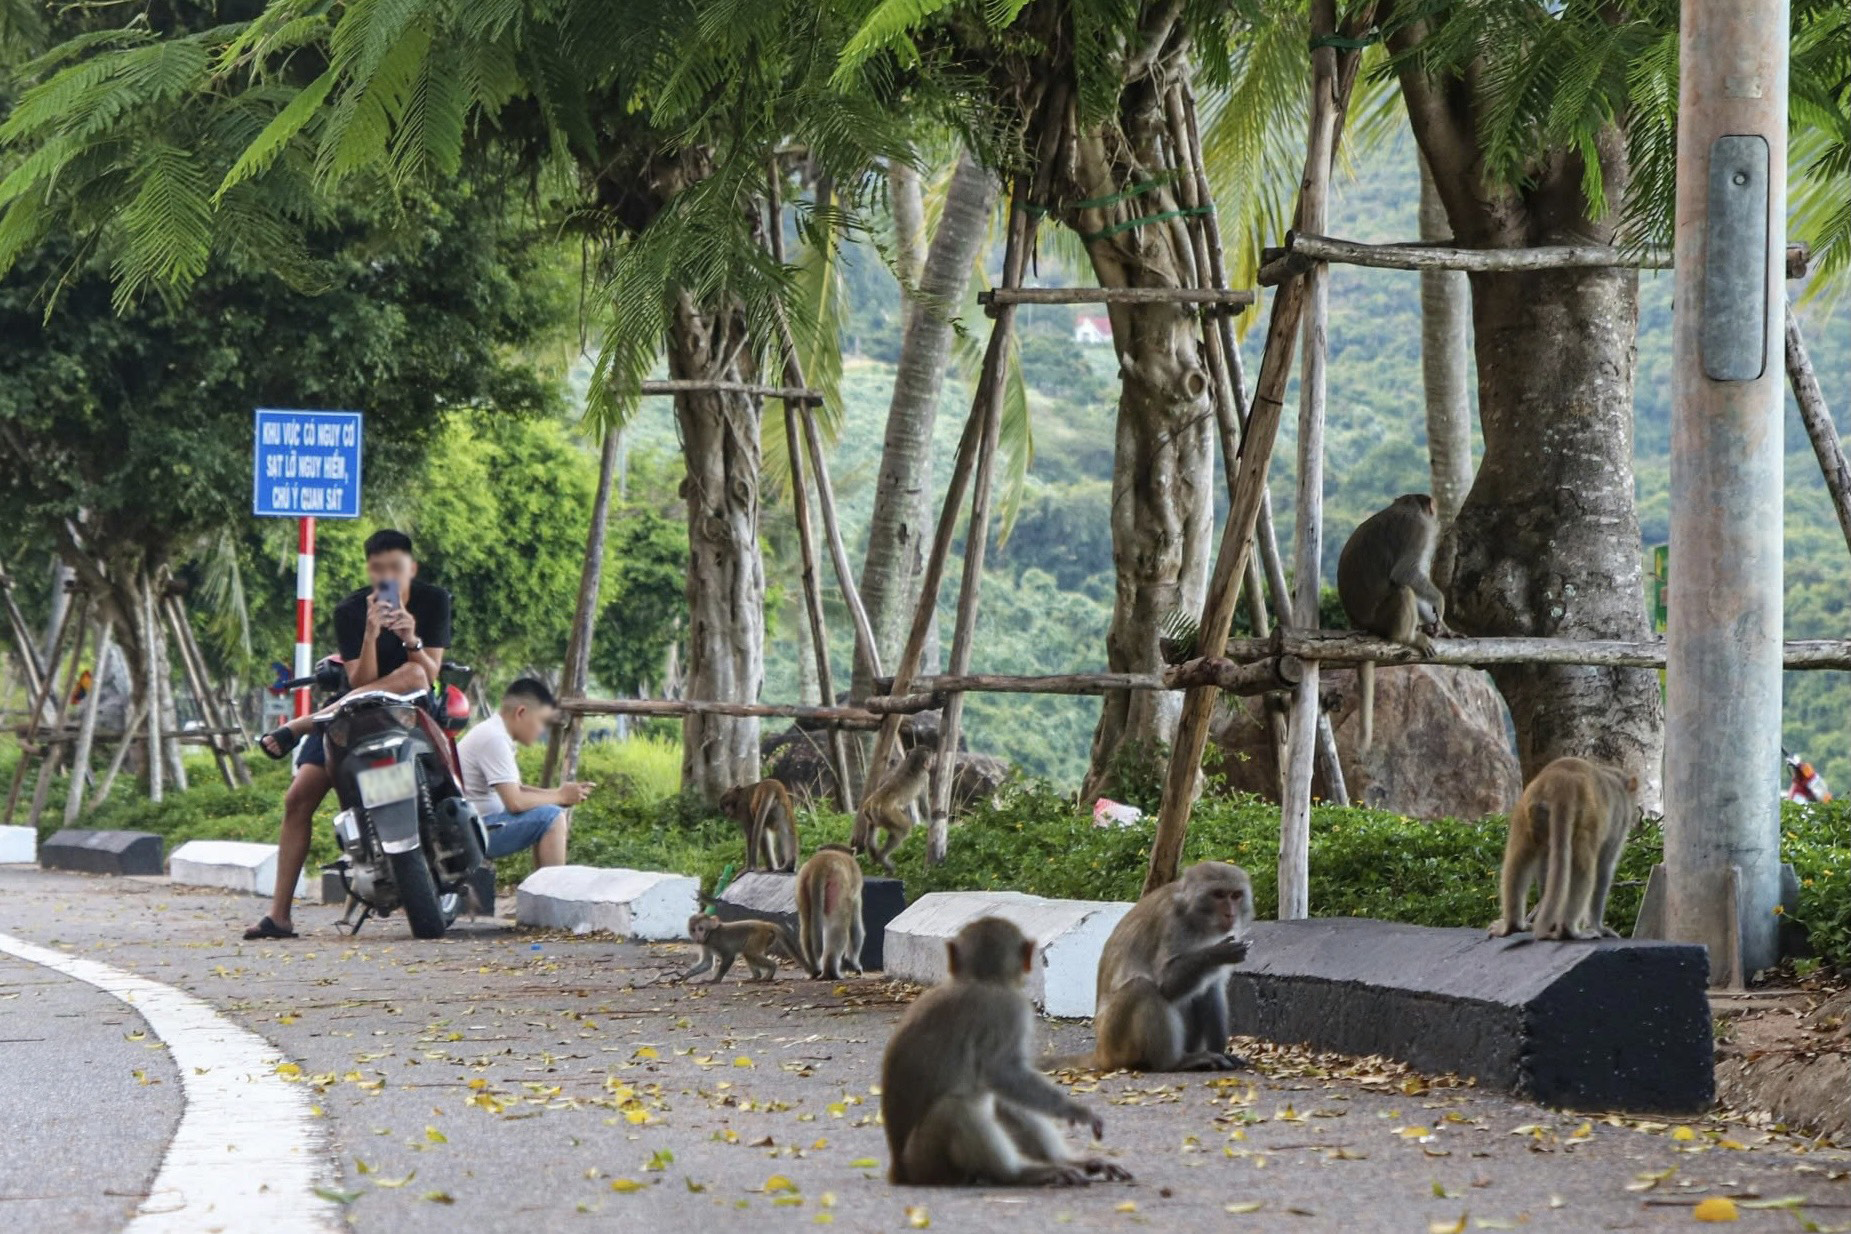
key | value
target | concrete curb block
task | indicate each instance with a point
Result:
(18, 845)
(1069, 935)
(102, 852)
(644, 904)
(235, 865)
(1539, 1019)
(764, 895)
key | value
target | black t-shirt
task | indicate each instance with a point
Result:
(429, 607)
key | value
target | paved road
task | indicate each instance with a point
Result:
(502, 1081)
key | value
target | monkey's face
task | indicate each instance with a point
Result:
(1217, 898)
(1419, 501)
(700, 925)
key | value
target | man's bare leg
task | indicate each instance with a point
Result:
(305, 795)
(551, 850)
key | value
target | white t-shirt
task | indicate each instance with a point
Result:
(487, 755)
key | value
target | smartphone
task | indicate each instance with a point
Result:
(387, 592)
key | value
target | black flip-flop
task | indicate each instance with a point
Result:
(267, 929)
(285, 740)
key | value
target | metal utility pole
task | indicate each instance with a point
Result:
(1722, 740)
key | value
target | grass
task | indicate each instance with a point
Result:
(1033, 838)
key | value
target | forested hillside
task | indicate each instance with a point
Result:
(1047, 595)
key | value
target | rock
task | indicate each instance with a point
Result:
(102, 852)
(1442, 750)
(1528, 1017)
(234, 865)
(18, 845)
(765, 895)
(643, 904)
(1069, 935)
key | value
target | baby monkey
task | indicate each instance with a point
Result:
(1382, 581)
(727, 941)
(961, 1103)
(1569, 827)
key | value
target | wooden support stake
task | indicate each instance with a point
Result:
(1819, 427)
(852, 717)
(40, 698)
(55, 748)
(136, 720)
(692, 385)
(999, 298)
(22, 635)
(157, 751)
(86, 730)
(800, 505)
(562, 743)
(196, 682)
(1179, 786)
(865, 646)
(222, 714)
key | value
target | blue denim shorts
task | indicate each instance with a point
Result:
(511, 833)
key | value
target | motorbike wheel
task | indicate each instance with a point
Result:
(417, 894)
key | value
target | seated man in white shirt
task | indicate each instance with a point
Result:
(517, 815)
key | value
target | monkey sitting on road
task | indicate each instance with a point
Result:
(1163, 976)
(763, 811)
(1569, 827)
(830, 930)
(890, 806)
(1382, 581)
(961, 1104)
(729, 940)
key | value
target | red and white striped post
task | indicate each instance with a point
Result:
(305, 606)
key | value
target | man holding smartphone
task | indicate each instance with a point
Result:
(392, 636)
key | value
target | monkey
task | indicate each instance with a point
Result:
(830, 931)
(889, 807)
(1162, 1001)
(1382, 581)
(960, 1101)
(763, 811)
(1569, 827)
(728, 940)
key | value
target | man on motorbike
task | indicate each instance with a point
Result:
(392, 636)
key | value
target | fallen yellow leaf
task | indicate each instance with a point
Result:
(647, 1051)
(435, 1136)
(1447, 1227)
(625, 1186)
(864, 1163)
(742, 1061)
(777, 1183)
(288, 1070)
(1244, 1206)
(395, 1182)
(1683, 1135)
(1129, 1206)
(1715, 1208)
(916, 1217)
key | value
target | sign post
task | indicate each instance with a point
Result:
(305, 465)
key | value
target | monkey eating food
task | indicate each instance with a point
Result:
(727, 941)
(764, 812)
(960, 1102)
(1569, 828)
(1383, 583)
(830, 930)
(1163, 976)
(889, 807)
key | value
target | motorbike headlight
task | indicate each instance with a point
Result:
(402, 715)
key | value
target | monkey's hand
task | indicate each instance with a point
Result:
(1230, 950)
(1081, 1116)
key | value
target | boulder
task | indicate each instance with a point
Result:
(1069, 935)
(643, 904)
(1443, 747)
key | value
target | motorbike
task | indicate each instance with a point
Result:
(409, 838)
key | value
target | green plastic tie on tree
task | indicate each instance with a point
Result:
(1128, 224)
(1137, 190)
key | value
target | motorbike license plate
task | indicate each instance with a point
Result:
(383, 786)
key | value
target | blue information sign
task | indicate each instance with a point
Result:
(306, 464)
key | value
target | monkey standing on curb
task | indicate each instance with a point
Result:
(1570, 827)
(960, 1102)
(890, 806)
(1382, 581)
(830, 930)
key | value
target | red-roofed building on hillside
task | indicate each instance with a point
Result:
(1093, 331)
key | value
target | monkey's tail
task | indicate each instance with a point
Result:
(1558, 824)
(1068, 1062)
(1366, 674)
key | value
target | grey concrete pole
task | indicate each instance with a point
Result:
(1722, 740)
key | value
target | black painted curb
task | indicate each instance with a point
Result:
(1617, 1024)
(103, 852)
(766, 896)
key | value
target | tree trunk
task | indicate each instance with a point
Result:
(909, 239)
(1445, 335)
(1547, 542)
(902, 518)
(1163, 472)
(726, 575)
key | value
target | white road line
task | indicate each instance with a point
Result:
(248, 1154)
